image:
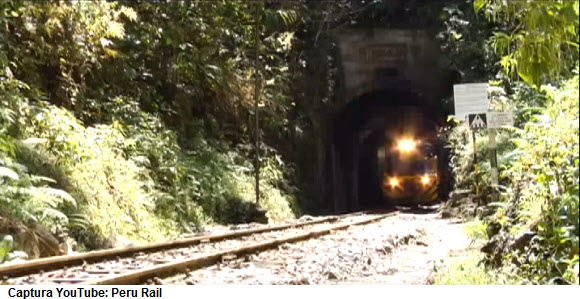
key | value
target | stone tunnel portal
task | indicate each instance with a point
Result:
(359, 133)
(388, 77)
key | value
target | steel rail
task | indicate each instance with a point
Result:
(164, 270)
(57, 262)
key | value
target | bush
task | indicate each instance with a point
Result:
(98, 138)
(129, 179)
(468, 270)
(545, 172)
(112, 194)
(227, 179)
(539, 179)
(204, 181)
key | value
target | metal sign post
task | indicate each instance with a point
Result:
(472, 104)
(475, 163)
(493, 160)
(476, 121)
(471, 101)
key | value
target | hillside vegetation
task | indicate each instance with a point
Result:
(124, 122)
(132, 122)
(530, 230)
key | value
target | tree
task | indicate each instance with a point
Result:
(539, 41)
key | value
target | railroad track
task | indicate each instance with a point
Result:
(138, 264)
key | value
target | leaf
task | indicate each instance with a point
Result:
(478, 5)
(519, 142)
(5, 247)
(129, 13)
(34, 141)
(41, 179)
(9, 173)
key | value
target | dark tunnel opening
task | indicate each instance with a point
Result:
(369, 173)
(360, 131)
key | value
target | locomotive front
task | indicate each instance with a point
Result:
(410, 176)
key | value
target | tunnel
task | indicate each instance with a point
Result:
(359, 131)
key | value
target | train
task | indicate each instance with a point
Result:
(410, 176)
(412, 171)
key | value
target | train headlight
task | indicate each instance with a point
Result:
(394, 182)
(425, 180)
(406, 145)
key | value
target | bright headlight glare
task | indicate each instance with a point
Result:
(394, 182)
(406, 145)
(425, 180)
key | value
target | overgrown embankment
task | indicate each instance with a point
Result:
(534, 223)
(130, 123)
(529, 232)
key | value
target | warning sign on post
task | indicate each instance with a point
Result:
(499, 119)
(477, 121)
(470, 98)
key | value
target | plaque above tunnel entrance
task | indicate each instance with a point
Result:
(386, 54)
(381, 59)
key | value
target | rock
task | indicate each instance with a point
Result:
(449, 213)
(301, 281)
(496, 247)
(117, 241)
(493, 228)
(490, 246)
(255, 214)
(387, 249)
(48, 244)
(31, 238)
(421, 243)
(485, 211)
(157, 281)
(238, 211)
(332, 275)
(17, 256)
(459, 194)
(521, 241)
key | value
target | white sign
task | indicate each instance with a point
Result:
(499, 119)
(470, 98)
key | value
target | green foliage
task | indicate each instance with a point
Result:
(539, 181)
(547, 165)
(139, 114)
(540, 40)
(55, 45)
(476, 230)
(468, 270)
(23, 194)
(110, 191)
(5, 246)
(464, 45)
(228, 179)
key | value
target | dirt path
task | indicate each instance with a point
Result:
(399, 250)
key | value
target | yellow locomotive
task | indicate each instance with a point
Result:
(410, 172)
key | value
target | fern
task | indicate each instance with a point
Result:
(8, 173)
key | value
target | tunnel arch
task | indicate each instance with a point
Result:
(358, 132)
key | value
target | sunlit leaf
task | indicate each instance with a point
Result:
(8, 173)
